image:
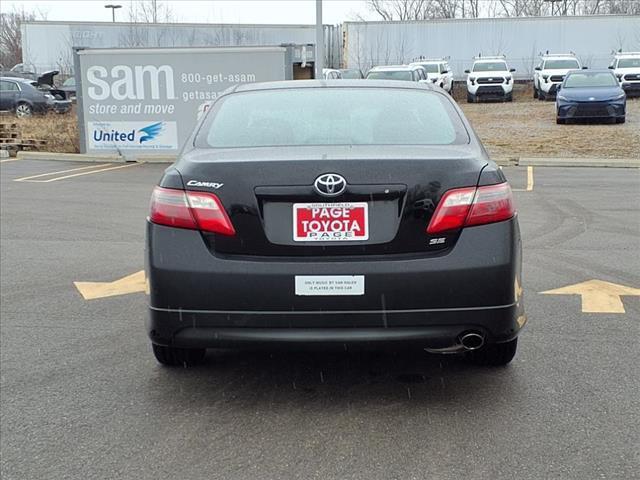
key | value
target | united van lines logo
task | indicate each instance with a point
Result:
(133, 135)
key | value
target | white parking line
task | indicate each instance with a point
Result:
(10, 160)
(88, 173)
(23, 179)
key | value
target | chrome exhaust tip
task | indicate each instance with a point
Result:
(472, 341)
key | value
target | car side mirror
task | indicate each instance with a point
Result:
(584, 68)
(538, 69)
(512, 70)
(611, 67)
(444, 71)
(467, 71)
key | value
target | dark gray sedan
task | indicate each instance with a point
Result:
(21, 96)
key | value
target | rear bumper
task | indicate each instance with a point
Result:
(202, 300)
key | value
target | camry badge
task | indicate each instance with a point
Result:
(330, 184)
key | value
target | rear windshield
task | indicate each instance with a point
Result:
(430, 67)
(350, 73)
(629, 63)
(332, 116)
(600, 79)
(561, 64)
(490, 67)
(390, 75)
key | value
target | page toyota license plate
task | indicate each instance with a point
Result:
(330, 222)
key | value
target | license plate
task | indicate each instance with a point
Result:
(329, 285)
(330, 222)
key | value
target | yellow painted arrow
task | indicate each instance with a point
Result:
(130, 284)
(598, 296)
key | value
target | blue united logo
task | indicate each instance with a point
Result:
(150, 132)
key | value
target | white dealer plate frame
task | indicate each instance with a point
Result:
(300, 206)
(329, 285)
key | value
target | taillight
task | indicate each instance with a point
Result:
(193, 210)
(464, 207)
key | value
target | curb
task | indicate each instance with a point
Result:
(580, 162)
(69, 157)
(156, 158)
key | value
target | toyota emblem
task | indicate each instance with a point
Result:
(330, 184)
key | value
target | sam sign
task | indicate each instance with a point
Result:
(146, 100)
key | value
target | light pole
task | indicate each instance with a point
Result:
(319, 60)
(113, 10)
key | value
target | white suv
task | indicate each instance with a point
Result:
(438, 72)
(626, 67)
(490, 77)
(411, 73)
(550, 72)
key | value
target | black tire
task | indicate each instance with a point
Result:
(541, 96)
(621, 119)
(494, 354)
(470, 98)
(509, 97)
(451, 89)
(178, 357)
(560, 121)
(535, 91)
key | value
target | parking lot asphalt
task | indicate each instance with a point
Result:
(82, 396)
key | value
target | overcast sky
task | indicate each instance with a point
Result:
(204, 11)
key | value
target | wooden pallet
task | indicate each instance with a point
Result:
(8, 127)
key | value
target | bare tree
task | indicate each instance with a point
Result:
(11, 36)
(150, 11)
(402, 9)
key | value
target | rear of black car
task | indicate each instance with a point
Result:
(307, 212)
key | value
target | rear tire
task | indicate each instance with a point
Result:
(471, 98)
(535, 91)
(178, 357)
(494, 354)
(23, 110)
(620, 119)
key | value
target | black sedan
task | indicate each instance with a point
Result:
(281, 224)
(590, 95)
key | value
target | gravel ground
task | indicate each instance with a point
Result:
(527, 128)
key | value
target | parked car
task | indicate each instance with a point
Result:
(594, 94)
(276, 227)
(550, 72)
(626, 68)
(438, 71)
(331, 74)
(411, 73)
(351, 73)
(22, 96)
(69, 88)
(490, 78)
(21, 70)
